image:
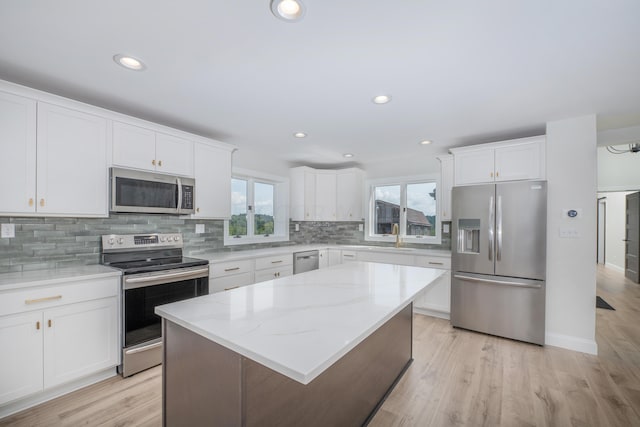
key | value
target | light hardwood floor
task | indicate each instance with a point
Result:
(457, 378)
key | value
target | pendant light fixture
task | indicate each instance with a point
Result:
(288, 10)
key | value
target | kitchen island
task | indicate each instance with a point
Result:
(318, 348)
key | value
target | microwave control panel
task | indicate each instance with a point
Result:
(187, 197)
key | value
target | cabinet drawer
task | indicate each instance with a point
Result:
(274, 261)
(274, 273)
(229, 268)
(38, 298)
(220, 284)
(433, 262)
(349, 256)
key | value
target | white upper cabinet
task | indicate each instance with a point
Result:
(446, 183)
(72, 175)
(350, 184)
(18, 154)
(212, 171)
(142, 148)
(516, 159)
(326, 195)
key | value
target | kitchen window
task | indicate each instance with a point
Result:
(259, 209)
(408, 205)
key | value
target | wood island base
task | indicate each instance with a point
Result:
(206, 384)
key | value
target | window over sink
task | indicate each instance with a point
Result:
(259, 209)
(407, 206)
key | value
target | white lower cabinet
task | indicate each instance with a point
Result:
(436, 299)
(273, 273)
(73, 335)
(226, 283)
(323, 258)
(334, 256)
(273, 267)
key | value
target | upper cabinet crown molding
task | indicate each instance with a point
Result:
(512, 160)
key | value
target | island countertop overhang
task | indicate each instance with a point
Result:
(300, 325)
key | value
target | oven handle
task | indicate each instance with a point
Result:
(133, 282)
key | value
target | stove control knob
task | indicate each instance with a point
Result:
(176, 238)
(120, 240)
(112, 241)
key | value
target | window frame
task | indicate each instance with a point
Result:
(280, 208)
(403, 181)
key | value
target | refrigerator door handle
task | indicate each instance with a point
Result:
(491, 221)
(497, 282)
(499, 229)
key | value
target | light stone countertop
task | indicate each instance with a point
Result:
(26, 279)
(300, 325)
(217, 257)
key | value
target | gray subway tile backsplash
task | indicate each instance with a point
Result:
(43, 243)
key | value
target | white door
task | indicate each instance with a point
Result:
(174, 155)
(349, 196)
(474, 167)
(212, 170)
(80, 339)
(17, 154)
(326, 196)
(134, 147)
(21, 355)
(516, 162)
(72, 176)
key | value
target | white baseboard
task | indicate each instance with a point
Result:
(433, 313)
(614, 267)
(571, 343)
(44, 396)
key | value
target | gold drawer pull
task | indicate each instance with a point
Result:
(153, 162)
(276, 262)
(42, 202)
(37, 300)
(31, 201)
(49, 322)
(38, 325)
(234, 287)
(160, 163)
(232, 269)
(436, 263)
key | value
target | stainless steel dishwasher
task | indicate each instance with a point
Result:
(305, 261)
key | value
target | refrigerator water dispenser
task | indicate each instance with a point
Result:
(469, 236)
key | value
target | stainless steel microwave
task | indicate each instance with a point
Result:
(149, 192)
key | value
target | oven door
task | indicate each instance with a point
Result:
(142, 333)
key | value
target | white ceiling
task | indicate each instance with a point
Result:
(460, 72)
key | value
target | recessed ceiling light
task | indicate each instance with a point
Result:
(381, 99)
(288, 10)
(300, 134)
(426, 142)
(347, 155)
(129, 62)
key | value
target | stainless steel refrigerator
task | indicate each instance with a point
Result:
(499, 259)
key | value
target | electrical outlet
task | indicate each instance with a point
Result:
(297, 227)
(199, 228)
(360, 227)
(8, 231)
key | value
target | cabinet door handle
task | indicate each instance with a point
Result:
(276, 262)
(31, 201)
(160, 163)
(198, 210)
(49, 322)
(38, 325)
(435, 263)
(233, 287)
(37, 300)
(491, 174)
(232, 269)
(497, 174)
(153, 162)
(42, 202)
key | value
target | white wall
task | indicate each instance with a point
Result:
(618, 172)
(571, 262)
(615, 220)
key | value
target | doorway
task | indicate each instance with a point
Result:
(632, 238)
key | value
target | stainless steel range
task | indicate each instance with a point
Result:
(154, 273)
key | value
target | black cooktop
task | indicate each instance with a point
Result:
(157, 264)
